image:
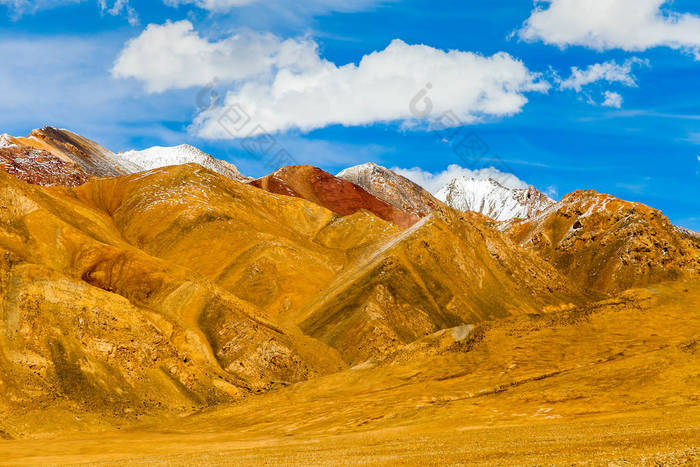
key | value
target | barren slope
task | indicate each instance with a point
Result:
(91, 323)
(298, 261)
(69, 147)
(605, 243)
(602, 384)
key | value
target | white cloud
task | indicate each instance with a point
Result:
(608, 71)
(383, 87)
(120, 7)
(21, 7)
(174, 56)
(211, 5)
(631, 25)
(18, 8)
(433, 182)
(313, 6)
(612, 99)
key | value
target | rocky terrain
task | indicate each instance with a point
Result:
(336, 194)
(608, 244)
(77, 153)
(214, 316)
(52, 156)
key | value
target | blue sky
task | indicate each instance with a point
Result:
(628, 123)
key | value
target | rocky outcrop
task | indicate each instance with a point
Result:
(608, 244)
(52, 156)
(392, 188)
(40, 167)
(336, 194)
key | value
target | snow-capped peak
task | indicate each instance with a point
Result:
(6, 141)
(159, 156)
(359, 169)
(492, 199)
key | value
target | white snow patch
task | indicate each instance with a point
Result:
(158, 157)
(6, 142)
(492, 199)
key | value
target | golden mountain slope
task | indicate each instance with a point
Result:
(430, 277)
(233, 280)
(91, 322)
(288, 257)
(142, 298)
(601, 384)
(608, 244)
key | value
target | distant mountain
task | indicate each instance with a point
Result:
(336, 194)
(608, 244)
(52, 156)
(158, 156)
(392, 188)
(492, 199)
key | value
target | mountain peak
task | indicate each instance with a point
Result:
(491, 198)
(163, 156)
(609, 244)
(334, 193)
(392, 188)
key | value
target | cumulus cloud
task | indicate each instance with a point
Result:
(433, 182)
(402, 83)
(175, 56)
(631, 25)
(608, 71)
(612, 99)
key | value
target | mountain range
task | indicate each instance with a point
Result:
(145, 285)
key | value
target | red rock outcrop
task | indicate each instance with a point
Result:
(40, 167)
(333, 193)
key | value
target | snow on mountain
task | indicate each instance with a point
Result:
(158, 156)
(492, 199)
(391, 188)
(6, 141)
